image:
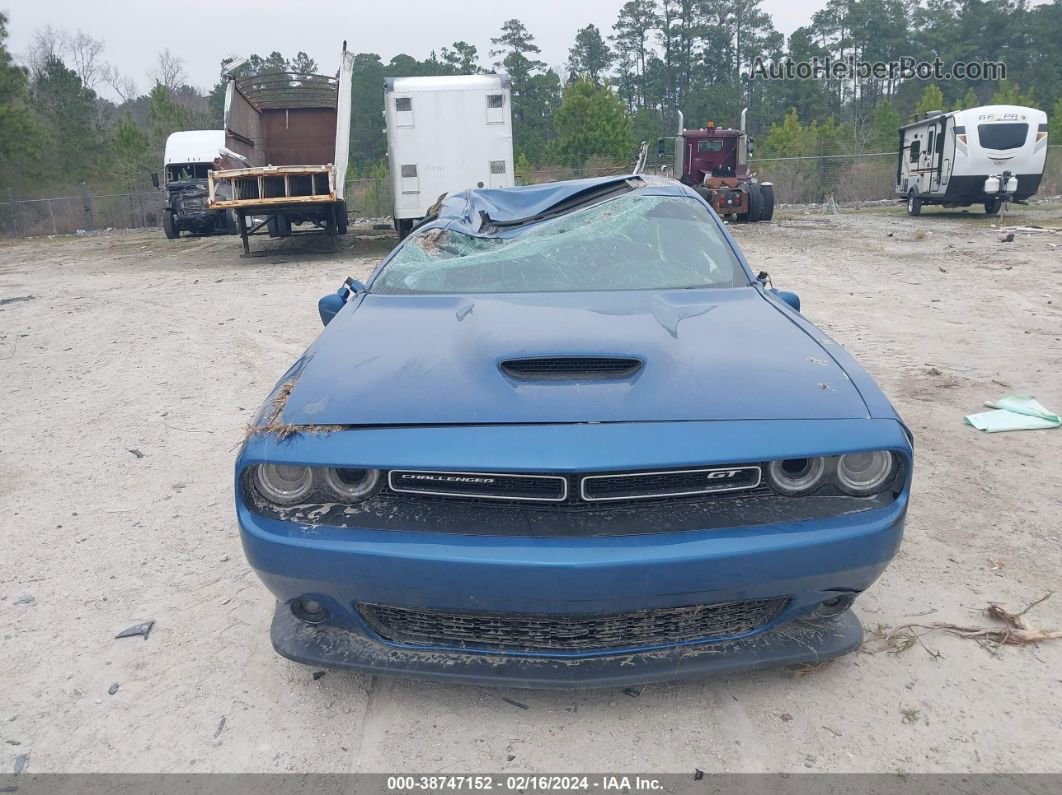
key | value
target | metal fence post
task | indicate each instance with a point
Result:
(51, 213)
(86, 199)
(14, 212)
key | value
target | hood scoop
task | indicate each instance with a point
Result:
(570, 368)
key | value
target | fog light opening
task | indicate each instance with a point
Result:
(835, 606)
(309, 610)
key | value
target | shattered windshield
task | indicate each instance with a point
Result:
(633, 242)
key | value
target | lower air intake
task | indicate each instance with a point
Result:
(543, 633)
(571, 367)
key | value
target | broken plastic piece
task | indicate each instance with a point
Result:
(140, 629)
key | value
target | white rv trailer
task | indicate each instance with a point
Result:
(446, 134)
(987, 155)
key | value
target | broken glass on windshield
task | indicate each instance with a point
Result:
(631, 242)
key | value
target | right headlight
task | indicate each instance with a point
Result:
(862, 474)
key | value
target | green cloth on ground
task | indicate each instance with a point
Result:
(1014, 413)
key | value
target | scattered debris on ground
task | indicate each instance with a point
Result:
(514, 703)
(141, 630)
(112, 689)
(220, 728)
(1016, 632)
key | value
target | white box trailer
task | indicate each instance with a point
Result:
(446, 134)
(986, 155)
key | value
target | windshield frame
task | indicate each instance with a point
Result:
(684, 195)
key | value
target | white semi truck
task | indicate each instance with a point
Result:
(188, 158)
(988, 155)
(446, 134)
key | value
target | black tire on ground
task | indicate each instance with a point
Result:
(767, 211)
(341, 217)
(279, 225)
(755, 200)
(914, 202)
(169, 225)
(992, 205)
(404, 226)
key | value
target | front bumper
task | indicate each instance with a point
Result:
(807, 562)
(796, 643)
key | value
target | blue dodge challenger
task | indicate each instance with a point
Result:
(565, 436)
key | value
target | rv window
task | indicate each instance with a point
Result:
(709, 146)
(916, 149)
(403, 104)
(940, 142)
(495, 100)
(497, 166)
(1002, 136)
(929, 143)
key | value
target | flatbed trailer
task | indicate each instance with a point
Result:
(291, 133)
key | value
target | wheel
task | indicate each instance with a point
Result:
(767, 210)
(341, 217)
(169, 225)
(992, 205)
(279, 225)
(404, 226)
(914, 202)
(755, 202)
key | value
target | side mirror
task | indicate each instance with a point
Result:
(660, 148)
(155, 178)
(328, 307)
(790, 298)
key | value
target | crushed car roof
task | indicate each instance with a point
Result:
(499, 212)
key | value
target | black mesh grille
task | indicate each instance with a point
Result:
(571, 367)
(527, 633)
(654, 485)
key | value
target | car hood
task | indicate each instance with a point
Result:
(724, 354)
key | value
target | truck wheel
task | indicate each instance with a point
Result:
(755, 202)
(767, 210)
(914, 202)
(341, 217)
(992, 205)
(169, 225)
(279, 225)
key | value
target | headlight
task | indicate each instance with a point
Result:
(281, 484)
(351, 484)
(796, 475)
(861, 474)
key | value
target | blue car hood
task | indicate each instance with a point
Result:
(724, 354)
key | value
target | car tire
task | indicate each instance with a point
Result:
(914, 202)
(993, 205)
(767, 210)
(169, 225)
(754, 197)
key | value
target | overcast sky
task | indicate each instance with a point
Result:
(203, 32)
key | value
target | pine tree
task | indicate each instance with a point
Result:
(590, 57)
(592, 121)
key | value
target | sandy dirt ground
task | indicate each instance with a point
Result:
(129, 365)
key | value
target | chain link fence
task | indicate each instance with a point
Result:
(851, 179)
(848, 179)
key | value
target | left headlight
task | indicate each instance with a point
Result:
(282, 484)
(862, 474)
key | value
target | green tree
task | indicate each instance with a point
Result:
(791, 138)
(463, 58)
(73, 140)
(19, 132)
(932, 99)
(1054, 132)
(592, 121)
(1008, 93)
(131, 155)
(590, 57)
(885, 123)
(535, 94)
(165, 117)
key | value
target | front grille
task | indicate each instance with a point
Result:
(570, 367)
(651, 485)
(480, 485)
(542, 633)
